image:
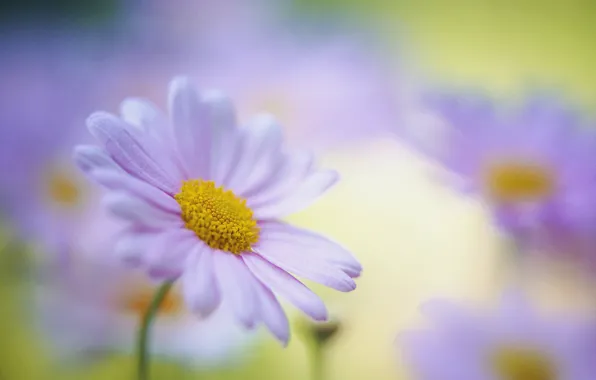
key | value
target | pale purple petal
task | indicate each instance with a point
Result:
(261, 147)
(158, 133)
(136, 210)
(89, 157)
(312, 187)
(291, 258)
(237, 287)
(275, 169)
(272, 314)
(144, 115)
(122, 146)
(287, 286)
(131, 247)
(156, 141)
(126, 183)
(286, 177)
(166, 257)
(455, 320)
(222, 118)
(192, 127)
(516, 313)
(433, 356)
(200, 289)
(313, 245)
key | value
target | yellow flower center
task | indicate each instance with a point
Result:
(219, 218)
(62, 189)
(518, 181)
(514, 363)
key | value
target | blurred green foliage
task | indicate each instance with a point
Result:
(506, 46)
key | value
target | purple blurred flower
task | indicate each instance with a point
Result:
(326, 89)
(182, 29)
(533, 166)
(325, 86)
(82, 314)
(513, 343)
(46, 92)
(203, 199)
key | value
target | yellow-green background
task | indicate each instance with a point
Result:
(415, 239)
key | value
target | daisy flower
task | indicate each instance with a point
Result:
(203, 199)
(531, 165)
(513, 343)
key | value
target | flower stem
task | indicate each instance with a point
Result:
(317, 361)
(143, 355)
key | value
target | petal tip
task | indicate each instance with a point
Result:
(181, 82)
(334, 177)
(215, 96)
(265, 119)
(320, 315)
(284, 340)
(97, 121)
(92, 119)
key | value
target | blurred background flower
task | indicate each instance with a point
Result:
(336, 72)
(514, 341)
(531, 164)
(91, 309)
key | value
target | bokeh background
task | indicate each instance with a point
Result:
(415, 238)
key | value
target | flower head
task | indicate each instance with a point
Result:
(513, 343)
(202, 199)
(532, 165)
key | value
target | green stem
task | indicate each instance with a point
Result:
(143, 354)
(317, 361)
